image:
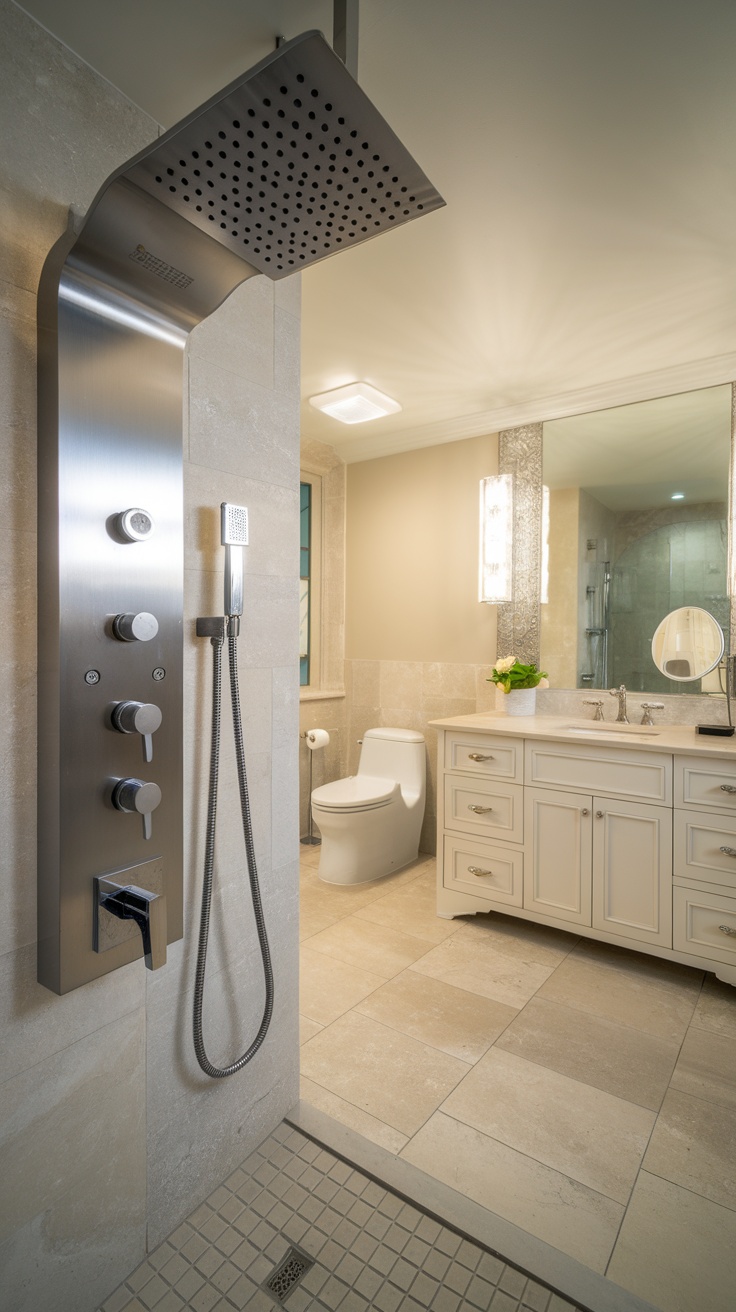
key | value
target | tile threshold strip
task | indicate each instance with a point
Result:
(538, 1260)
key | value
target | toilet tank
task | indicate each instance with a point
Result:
(395, 754)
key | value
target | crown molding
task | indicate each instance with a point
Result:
(603, 396)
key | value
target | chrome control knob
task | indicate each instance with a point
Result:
(135, 628)
(138, 717)
(137, 795)
(135, 525)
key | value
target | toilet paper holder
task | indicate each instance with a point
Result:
(316, 739)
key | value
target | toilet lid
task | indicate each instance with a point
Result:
(361, 792)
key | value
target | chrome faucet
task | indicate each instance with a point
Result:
(622, 717)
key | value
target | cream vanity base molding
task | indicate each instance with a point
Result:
(619, 833)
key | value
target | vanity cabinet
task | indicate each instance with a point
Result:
(599, 862)
(633, 846)
(705, 859)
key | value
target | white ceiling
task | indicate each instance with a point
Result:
(587, 252)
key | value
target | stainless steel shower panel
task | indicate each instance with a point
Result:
(289, 164)
(119, 446)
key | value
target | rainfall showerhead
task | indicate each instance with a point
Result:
(289, 164)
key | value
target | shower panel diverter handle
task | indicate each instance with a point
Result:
(137, 795)
(135, 628)
(138, 717)
(148, 910)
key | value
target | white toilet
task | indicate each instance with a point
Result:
(371, 822)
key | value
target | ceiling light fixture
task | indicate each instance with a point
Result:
(677, 496)
(355, 403)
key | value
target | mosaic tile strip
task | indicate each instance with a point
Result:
(371, 1249)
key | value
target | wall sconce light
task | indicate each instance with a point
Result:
(496, 522)
(355, 403)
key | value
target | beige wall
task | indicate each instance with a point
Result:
(419, 643)
(109, 1132)
(412, 556)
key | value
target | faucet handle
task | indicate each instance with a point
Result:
(598, 703)
(148, 910)
(647, 708)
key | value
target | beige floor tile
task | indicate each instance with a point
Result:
(459, 1023)
(307, 1029)
(543, 1202)
(411, 909)
(392, 1077)
(620, 1060)
(676, 1250)
(344, 1112)
(313, 922)
(520, 938)
(376, 948)
(579, 1131)
(706, 1067)
(664, 1010)
(694, 1145)
(317, 898)
(661, 972)
(716, 1009)
(328, 987)
(309, 856)
(476, 964)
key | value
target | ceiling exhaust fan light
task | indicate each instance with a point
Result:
(355, 403)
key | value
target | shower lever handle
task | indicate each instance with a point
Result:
(148, 910)
(138, 717)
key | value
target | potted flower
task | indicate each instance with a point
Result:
(519, 682)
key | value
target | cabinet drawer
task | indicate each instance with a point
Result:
(641, 776)
(700, 838)
(704, 924)
(705, 783)
(484, 869)
(484, 807)
(486, 754)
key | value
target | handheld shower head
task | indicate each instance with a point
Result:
(233, 525)
(234, 535)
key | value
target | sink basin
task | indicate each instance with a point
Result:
(598, 729)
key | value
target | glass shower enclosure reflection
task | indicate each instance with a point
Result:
(673, 565)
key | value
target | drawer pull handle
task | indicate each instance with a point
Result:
(585, 811)
(478, 756)
(476, 870)
(728, 788)
(599, 815)
(728, 851)
(726, 929)
(479, 810)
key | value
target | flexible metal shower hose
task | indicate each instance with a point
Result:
(217, 1072)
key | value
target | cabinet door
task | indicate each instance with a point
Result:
(557, 879)
(632, 870)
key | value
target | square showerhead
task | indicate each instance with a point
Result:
(289, 164)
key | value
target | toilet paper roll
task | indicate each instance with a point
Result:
(317, 738)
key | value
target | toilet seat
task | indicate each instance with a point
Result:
(360, 792)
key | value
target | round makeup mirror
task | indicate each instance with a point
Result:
(688, 644)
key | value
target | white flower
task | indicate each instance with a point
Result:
(543, 683)
(503, 666)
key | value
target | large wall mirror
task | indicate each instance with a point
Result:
(639, 519)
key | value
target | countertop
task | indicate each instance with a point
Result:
(674, 738)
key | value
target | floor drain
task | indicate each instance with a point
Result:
(287, 1275)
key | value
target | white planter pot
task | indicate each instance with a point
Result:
(520, 701)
